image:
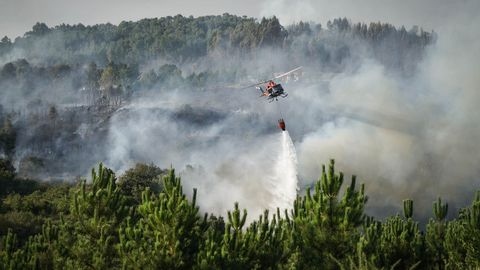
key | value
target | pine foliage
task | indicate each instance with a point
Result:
(326, 228)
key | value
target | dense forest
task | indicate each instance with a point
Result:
(118, 59)
(143, 220)
(183, 39)
(63, 87)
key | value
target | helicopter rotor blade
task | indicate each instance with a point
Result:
(279, 76)
(286, 73)
(262, 82)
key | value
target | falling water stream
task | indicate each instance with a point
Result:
(284, 178)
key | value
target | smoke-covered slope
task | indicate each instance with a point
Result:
(386, 103)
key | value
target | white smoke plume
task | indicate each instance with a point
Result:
(239, 157)
(415, 138)
(405, 137)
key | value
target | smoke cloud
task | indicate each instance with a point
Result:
(407, 138)
(413, 136)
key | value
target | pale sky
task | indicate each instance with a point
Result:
(18, 16)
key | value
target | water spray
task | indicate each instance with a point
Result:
(284, 179)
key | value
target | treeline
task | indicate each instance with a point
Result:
(176, 37)
(105, 64)
(140, 222)
(185, 39)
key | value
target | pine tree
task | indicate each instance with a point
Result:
(97, 210)
(167, 235)
(435, 236)
(326, 226)
(10, 256)
(472, 230)
(401, 241)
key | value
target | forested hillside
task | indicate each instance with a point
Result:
(183, 39)
(61, 85)
(171, 90)
(143, 220)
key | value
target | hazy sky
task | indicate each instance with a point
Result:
(18, 16)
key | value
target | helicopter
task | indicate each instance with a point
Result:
(271, 89)
(274, 90)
